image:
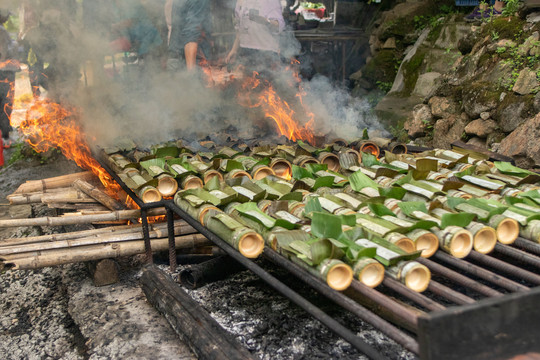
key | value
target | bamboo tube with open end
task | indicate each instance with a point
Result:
(368, 271)
(507, 229)
(167, 185)
(149, 194)
(329, 159)
(54, 182)
(484, 237)
(531, 231)
(261, 171)
(455, 240)
(411, 273)
(424, 241)
(281, 167)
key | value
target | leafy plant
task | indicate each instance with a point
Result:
(495, 35)
(510, 7)
(384, 86)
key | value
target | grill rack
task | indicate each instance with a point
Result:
(498, 326)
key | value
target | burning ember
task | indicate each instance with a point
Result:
(261, 93)
(49, 125)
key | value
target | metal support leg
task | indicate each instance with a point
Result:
(172, 245)
(147, 245)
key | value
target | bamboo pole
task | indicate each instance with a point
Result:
(54, 182)
(69, 196)
(33, 197)
(100, 251)
(98, 195)
(180, 229)
(82, 219)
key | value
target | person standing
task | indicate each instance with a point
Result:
(258, 24)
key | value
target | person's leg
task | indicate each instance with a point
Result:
(190, 52)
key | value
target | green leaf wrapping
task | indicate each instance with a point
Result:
(461, 220)
(325, 226)
(359, 181)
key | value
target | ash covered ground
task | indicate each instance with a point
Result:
(57, 313)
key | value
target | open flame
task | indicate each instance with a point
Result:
(49, 125)
(261, 93)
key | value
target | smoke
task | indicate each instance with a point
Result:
(132, 95)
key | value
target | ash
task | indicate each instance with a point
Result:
(271, 327)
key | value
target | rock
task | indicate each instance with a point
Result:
(441, 106)
(448, 130)
(356, 75)
(451, 34)
(390, 43)
(512, 116)
(480, 128)
(526, 82)
(485, 115)
(536, 103)
(421, 118)
(478, 99)
(476, 141)
(495, 138)
(523, 144)
(427, 84)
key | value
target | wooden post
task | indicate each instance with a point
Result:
(203, 334)
(104, 272)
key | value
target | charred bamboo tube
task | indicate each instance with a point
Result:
(507, 229)
(424, 241)
(481, 272)
(505, 267)
(54, 182)
(418, 298)
(281, 167)
(397, 148)
(98, 195)
(180, 229)
(342, 300)
(531, 231)
(383, 305)
(455, 240)
(195, 276)
(149, 194)
(484, 237)
(369, 272)
(527, 245)
(460, 279)
(369, 147)
(302, 160)
(167, 185)
(412, 274)
(102, 251)
(449, 294)
(519, 255)
(330, 159)
(82, 219)
(261, 171)
(31, 198)
(245, 240)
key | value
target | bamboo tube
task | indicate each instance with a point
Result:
(237, 173)
(34, 197)
(71, 195)
(507, 229)
(82, 219)
(210, 174)
(331, 160)
(101, 251)
(302, 160)
(22, 250)
(531, 231)
(455, 240)
(98, 195)
(261, 171)
(397, 148)
(336, 273)
(167, 185)
(411, 273)
(281, 167)
(402, 241)
(484, 237)
(245, 240)
(197, 213)
(191, 182)
(369, 272)
(54, 182)
(149, 194)
(424, 241)
(78, 206)
(370, 147)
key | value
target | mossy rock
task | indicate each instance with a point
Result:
(412, 68)
(398, 28)
(382, 68)
(505, 28)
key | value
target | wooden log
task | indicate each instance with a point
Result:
(97, 252)
(82, 219)
(94, 207)
(69, 196)
(103, 272)
(197, 275)
(180, 229)
(98, 195)
(492, 155)
(203, 334)
(54, 182)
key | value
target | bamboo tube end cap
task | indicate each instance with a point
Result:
(251, 245)
(418, 278)
(428, 244)
(339, 277)
(461, 244)
(151, 195)
(406, 244)
(485, 240)
(167, 186)
(507, 231)
(263, 172)
(372, 275)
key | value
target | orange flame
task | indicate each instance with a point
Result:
(277, 109)
(49, 125)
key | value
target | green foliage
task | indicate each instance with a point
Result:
(500, 49)
(494, 35)
(510, 7)
(23, 151)
(384, 86)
